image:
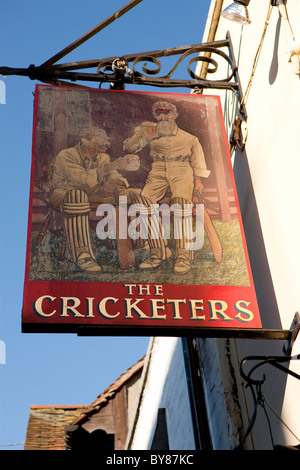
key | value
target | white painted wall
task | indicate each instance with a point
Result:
(272, 146)
(163, 386)
(272, 153)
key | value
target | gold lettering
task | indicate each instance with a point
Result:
(72, 308)
(37, 306)
(176, 303)
(89, 303)
(130, 307)
(193, 309)
(218, 307)
(102, 307)
(158, 290)
(156, 307)
(142, 288)
(129, 288)
(240, 307)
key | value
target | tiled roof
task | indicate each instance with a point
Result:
(46, 424)
(110, 391)
(45, 430)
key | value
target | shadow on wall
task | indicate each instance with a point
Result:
(274, 64)
(174, 427)
(256, 248)
(266, 301)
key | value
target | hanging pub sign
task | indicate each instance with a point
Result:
(134, 222)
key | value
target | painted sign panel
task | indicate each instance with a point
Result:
(134, 220)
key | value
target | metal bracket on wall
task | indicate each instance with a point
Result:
(259, 398)
(294, 330)
(119, 71)
(133, 69)
(288, 336)
(194, 376)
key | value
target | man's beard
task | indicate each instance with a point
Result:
(165, 128)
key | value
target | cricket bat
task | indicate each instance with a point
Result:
(211, 232)
(124, 243)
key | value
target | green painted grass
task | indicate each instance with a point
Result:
(45, 264)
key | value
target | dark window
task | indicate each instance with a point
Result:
(160, 438)
(77, 438)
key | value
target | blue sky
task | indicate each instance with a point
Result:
(61, 369)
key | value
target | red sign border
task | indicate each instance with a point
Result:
(206, 314)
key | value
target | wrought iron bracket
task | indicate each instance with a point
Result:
(120, 71)
(275, 361)
(289, 336)
(255, 386)
(294, 331)
(133, 69)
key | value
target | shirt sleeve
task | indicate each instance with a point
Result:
(139, 140)
(68, 168)
(102, 160)
(197, 160)
(92, 178)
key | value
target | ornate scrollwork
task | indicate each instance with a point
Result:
(145, 69)
(210, 60)
(119, 71)
(128, 68)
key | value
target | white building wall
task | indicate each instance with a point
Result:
(272, 148)
(164, 385)
(272, 155)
